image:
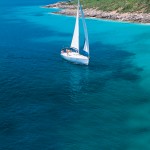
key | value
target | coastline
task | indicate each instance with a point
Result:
(66, 9)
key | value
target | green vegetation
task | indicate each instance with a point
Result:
(118, 5)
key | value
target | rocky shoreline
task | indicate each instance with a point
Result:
(67, 9)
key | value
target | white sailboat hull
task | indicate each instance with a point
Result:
(75, 58)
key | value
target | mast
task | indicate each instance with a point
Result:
(75, 39)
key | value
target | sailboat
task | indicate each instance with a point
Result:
(73, 53)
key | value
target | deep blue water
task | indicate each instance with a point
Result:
(47, 103)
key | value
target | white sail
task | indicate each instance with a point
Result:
(86, 47)
(75, 39)
(86, 44)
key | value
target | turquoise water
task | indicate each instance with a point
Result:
(47, 103)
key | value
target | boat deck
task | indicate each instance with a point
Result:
(74, 55)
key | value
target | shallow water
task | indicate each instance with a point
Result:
(48, 103)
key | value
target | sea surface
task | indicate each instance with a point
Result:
(47, 103)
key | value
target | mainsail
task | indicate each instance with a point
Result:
(75, 39)
(86, 44)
